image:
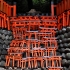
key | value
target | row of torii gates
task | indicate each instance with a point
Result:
(34, 36)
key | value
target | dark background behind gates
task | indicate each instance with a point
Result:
(24, 6)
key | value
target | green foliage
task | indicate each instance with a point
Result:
(35, 2)
(41, 5)
(40, 2)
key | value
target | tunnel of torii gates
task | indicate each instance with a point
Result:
(30, 40)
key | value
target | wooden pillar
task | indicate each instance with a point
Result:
(52, 9)
(9, 10)
(63, 20)
(8, 23)
(67, 18)
(14, 9)
(0, 22)
(1, 5)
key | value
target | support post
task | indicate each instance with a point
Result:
(52, 8)
(1, 5)
(14, 9)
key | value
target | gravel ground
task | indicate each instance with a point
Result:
(22, 69)
(8, 69)
(2, 69)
